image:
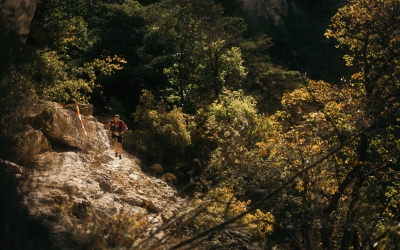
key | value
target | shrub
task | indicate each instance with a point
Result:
(221, 204)
(162, 134)
(233, 124)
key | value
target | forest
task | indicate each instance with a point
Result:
(281, 136)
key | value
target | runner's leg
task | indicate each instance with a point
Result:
(120, 138)
(115, 145)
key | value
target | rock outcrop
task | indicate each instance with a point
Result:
(62, 125)
(273, 9)
(17, 15)
(75, 177)
(256, 7)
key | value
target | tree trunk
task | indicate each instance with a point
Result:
(348, 230)
(304, 223)
(326, 222)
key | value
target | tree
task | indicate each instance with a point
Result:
(332, 193)
(299, 44)
(370, 30)
(266, 82)
(119, 27)
(334, 155)
(187, 40)
(61, 26)
(62, 83)
(162, 134)
(64, 69)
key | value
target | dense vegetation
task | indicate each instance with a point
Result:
(220, 97)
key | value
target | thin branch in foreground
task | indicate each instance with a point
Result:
(12, 167)
(172, 221)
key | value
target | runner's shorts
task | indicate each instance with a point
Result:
(120, 138)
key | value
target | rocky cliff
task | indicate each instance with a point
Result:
(73, 182)
(17, 15)
(273, 9)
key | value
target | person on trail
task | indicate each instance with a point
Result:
(116, 128)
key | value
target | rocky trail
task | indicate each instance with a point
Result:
(66, 185)
(103, 181)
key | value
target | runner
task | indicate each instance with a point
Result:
(116, 128)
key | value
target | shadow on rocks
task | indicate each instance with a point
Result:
(18, 231)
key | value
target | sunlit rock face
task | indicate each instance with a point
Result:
(256, 7)
(273, 9)
(74, 177)
(61, 125)
(276, 9)
(17, 15)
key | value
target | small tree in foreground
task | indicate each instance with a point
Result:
(162, 135)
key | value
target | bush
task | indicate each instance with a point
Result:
(162, 134)
(233, 124)
(220, 204)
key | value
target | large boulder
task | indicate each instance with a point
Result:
(34, 143)
(63, 126)
(84, 109)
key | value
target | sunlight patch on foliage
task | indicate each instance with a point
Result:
(62, 83)
(224, 205)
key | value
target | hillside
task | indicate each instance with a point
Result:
(77, 182)
(276, 123)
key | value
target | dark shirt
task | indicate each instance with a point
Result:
(119, 127)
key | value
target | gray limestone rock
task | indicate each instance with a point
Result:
(34, 143)
(17, 15)
(63, 126)
(84, 109)
(68, 188)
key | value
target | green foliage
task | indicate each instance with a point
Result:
(220, 204)
(255, 158)
(233, 115)
(265, 81)
(317, 118)
(216, 70)
(17, 90)
(369, 29)
(53, 69)
(235, 127)
(62, 83)
(117, 107)
(65, 70)
(199, 59)
(118, 28)
(186, 40)
(162, 135)
(61, 25)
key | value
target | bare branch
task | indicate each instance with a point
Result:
(12, 167)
